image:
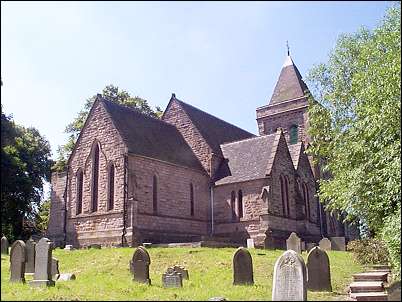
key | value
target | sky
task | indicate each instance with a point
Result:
(222, 57)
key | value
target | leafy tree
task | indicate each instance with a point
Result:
(355, 125)
(113, 94)
(42, 217)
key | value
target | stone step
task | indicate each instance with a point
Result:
(366, 286)
(371, 276)
(369, 296)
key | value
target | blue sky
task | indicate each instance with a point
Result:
(222, 57)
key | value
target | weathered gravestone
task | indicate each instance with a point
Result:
(325, 244)
(242, 267)
(394, 291)
(302, 246)
(55, 269)
(181, 270)
(289, 281)
(310, 245)
(43, 264)
(17, 261)
(30, 253)
(338, 243)
(172, 278)
(139, 265)
(250, 243)
(293, 243)
(4, 245)
(318, 270)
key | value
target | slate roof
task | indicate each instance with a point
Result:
(246, 160)
(214, 130)
(294, 151)
(290, 84)
(151, 137)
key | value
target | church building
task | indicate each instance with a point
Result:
(189, 176)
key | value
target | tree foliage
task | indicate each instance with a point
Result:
(112, 93)
(355, 125)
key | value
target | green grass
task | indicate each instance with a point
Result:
(104, 275)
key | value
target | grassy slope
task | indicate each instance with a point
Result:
(104, 275)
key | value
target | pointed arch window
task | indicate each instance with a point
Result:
(155, 195)
(111, 173)
(80, 183)
(240, 204)
(284, 195)
(191, 199)
(293, 134)
(233, 204)
(95, 178)
(306, 198)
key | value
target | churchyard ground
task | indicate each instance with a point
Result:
(104, 275)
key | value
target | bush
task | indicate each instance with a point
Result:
(369, 251)
(391, 235)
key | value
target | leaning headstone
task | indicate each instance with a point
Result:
(43, 264)
(338, 243)
(181, 270)
(55, 269)
(140, 265)
(250, 243)
(172, 279)
(318, 270)
(66, 277)
(242, 267)
(4, 245)
(17, 261)
(394, 291)
(293, 243)
(289, 281)
(325, 244)
(30, 253)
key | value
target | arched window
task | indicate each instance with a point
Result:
(155, 195)
(306, 198)
(191, 200)
(232, 205)
(287, 196)
(240, 204)
(293, 134)
(80, 182)
(111, 187)
(95, 178)
(284, 196)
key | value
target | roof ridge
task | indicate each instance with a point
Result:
(247, 139)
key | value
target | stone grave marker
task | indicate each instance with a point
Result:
(17, 261)
(310, 245)
(325, 244)
(66, 277)
(318, 270)
(289, 281)
(302, 246)
(43, 264)
(172, 279)
(55, 269)
(242, 267)
(139, 265)
(30, 255)
(338, 243)
(394, 291)
(181, 270)
(68, 247)
(4, 245)
(250, 243)
(293, 243)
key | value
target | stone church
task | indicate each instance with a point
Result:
(189, 176)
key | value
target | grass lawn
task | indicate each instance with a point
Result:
(104, 275)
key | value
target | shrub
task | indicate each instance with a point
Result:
(391, 235)
(369, 251)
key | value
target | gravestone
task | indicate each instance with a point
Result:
(293, 243)
(181, 270)
(310, 245)
(30, 253)
(250, 243)
(4, 245)
(325, 244)
(318, 270)
(242, 267)
(172, 279)
(139, 265)
(17, 261)
(338, 243)
(289, 281)
(66, 277)
(394, 291)
(55, 269)
(43, 264)
(68, 247)
(302, 246)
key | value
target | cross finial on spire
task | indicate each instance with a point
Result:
(287, 46)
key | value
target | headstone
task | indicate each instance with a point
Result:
(310, 245)
(318, 270)
(303, 246)
(17, 261)
(68, 247)
(30, 253)
(140, 265)
(55, 269)
(4, 245)
(325, 244)
(181, 270)
(43, 264)
(338, 243)
(172, 279)
(66, 277)
(250, 243)
(242, 267)
(293, 243)
(147, 244)
(289, 281)
(394, 291)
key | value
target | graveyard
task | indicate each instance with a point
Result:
(104, 274)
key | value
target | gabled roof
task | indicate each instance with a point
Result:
(246, 159)
(214, 130)
(150, 137)
(290, 84)
(295, 151)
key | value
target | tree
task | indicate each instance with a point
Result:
(355, 125)
(113, 94)
(25, 165)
